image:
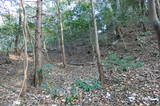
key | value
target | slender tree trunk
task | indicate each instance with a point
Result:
(154, 18)
(142, 8)
(91, 37)
(38, 77)
(20, 32)
(24, 84)
(99, 65)
(158, 8)
(62, 34)
(118, 5)
(92, 42)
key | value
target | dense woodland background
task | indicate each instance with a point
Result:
(79, 52)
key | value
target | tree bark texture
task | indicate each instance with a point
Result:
(62, 34)
(153, 14)
(38, 77)
(99, 65)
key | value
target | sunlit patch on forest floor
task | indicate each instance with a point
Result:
(19, 57)
(137, 87)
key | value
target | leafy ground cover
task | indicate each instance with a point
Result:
(78, 85)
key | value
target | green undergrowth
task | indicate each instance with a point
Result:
(85, 84)
(121, 63)
(88, 85)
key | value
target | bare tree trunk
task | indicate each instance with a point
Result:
(92, 42)
(38, 77)
(118, 5)
(154, 18)
(18, 35)
(99, 65)
(62, 33)
(142, 8)
(158, 8)
(24, 84)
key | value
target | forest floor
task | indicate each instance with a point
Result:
(135, 87)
